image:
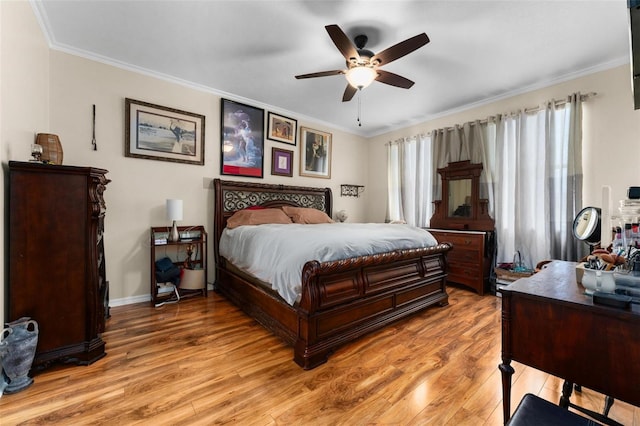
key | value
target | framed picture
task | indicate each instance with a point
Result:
(155, 132)
(315, 153)
(282, 129)
(242, 139)
(281, 162)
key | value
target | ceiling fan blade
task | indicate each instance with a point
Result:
(342, 42)
(399, 50)
(348, 93)
(321, 74)
(392, 79)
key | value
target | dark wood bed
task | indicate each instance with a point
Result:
(341, 300)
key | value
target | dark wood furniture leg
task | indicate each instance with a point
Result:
(507, 371)
(608, 403)
(565, 402)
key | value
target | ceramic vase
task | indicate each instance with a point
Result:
(20, 351)
(3, 351)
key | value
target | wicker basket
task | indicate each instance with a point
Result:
(509, 275)
(51, 148)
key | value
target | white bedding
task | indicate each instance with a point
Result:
(276, 253)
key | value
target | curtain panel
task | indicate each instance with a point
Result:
(409, 180)
(532, 177)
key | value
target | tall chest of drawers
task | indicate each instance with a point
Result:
(56, 258)
(469, 261)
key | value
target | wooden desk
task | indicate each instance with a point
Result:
(550, 324)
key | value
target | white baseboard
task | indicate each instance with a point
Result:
(129, 300)
(139, 299)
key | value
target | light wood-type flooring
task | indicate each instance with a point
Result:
(203, 361)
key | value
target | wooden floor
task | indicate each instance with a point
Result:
(203, 361)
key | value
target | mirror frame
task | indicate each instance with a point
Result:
(593, 233)
(479, 219)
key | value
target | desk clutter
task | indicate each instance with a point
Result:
(612, 277)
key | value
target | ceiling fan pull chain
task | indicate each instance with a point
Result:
(359, 110)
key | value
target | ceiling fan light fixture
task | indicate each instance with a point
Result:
(361, 76)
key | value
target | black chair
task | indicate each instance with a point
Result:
(535, 411)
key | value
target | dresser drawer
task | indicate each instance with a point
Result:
(467, 241)
(461, 274)
(466, 256)
(469, 259)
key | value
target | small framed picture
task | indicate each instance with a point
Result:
(315, 153)
(155, 132)
(242, 139)
(282, 129)
(281, 162)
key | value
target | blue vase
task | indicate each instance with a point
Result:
(3, 350)
(20, 351)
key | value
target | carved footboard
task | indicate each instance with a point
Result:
(340, 300)
(346, 299)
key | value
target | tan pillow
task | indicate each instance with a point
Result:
(306, 215)
(257, 217)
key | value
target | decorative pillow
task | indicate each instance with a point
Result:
(306, 215)
(257, 217)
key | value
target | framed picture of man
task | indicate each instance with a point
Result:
(315, 153)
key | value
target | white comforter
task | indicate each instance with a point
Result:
(276, 253)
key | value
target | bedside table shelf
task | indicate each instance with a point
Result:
(193, 268)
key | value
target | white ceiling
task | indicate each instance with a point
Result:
(250, 51)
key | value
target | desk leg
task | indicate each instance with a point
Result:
(507, 371)
(567, 389)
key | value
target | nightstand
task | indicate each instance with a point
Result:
(188, 255)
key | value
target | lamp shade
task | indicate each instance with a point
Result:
(361, 76)
(174, 209)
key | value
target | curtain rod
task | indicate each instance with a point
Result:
(583, 97)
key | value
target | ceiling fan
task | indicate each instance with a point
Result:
(363, 65)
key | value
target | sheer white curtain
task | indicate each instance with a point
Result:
(565, 182)
(409, 180)
(522, 212)
(538, 188)
(532, 177)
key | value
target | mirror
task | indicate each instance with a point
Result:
(586, 225)
(460, 198)
(461, 206)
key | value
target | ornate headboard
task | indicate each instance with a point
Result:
(230, 196)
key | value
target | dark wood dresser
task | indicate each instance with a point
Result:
(56, 259)
(462, 218)
(469, 261)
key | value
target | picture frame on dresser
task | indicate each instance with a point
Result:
(155, 132)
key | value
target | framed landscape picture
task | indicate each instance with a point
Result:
(282, 129)
(155, 132)
(281, 162)
(242, 139)
(315, 153)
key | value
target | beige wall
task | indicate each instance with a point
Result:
(24, 97)
(136, 196)
(610, 146)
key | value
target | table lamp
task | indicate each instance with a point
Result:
(174, 213)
